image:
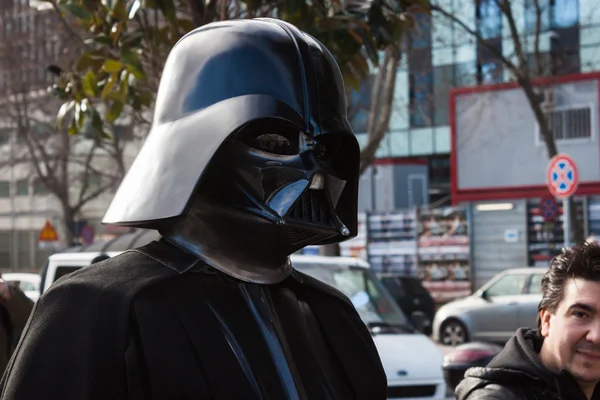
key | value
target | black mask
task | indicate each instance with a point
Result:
(250, 152)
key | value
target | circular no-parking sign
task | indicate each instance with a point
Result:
(562, 176)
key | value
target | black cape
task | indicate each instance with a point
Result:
(143, 325)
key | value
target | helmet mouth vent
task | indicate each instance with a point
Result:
(300, 235)
(312, 208)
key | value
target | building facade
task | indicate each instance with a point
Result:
(499, 168)
(440, 55)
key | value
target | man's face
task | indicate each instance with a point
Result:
(572, 333)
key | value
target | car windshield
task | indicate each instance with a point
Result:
(372, 301)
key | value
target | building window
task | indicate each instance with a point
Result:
(489, 19)
(446, 77)
(420, 72)
(553, 14)
(443, 81)
(5, 135)
(4, 189)
(489, 24)
(565, 13)
(94, 181)
(359, 106)
(531, 15)
(569, 124)
(22, 187)
(40, 188)
(421, 99)
(541, 65)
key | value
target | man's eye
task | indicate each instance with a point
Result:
(579, 314)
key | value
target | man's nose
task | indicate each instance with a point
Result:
(593, 334)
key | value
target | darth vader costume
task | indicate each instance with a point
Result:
(250, 158)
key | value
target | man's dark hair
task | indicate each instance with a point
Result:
(580, 261)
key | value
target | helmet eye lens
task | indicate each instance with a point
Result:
(274, 143)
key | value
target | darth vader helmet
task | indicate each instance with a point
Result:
(250, 150)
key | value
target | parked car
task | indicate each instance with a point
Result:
(465, 356)
(28, 283)
(411, 297)
(494, 312)
(396, 337)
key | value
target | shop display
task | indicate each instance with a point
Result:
(443, 253)
(391, 242)
(545, 239)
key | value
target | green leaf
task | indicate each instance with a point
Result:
(114, 111)
(83, 63)
(79, 116)
(108, 4)
(72, 128)
(119, 11)
(103, 39)
(110, 82)
(96, 122)
(145, 98)
(90, 84)
(64, 109)
(131, 39)
(76, 10)
(186, 25)
(112, 66)
(124, 86)
(168, 9)
(132, 8)
(134, 65)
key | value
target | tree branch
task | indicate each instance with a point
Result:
(536, 43)
(511, 67)
(505, 7)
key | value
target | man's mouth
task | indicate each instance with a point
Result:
(588, 355)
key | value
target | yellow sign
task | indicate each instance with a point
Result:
(48, 233)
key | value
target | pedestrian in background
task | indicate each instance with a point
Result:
(15, 308)
(561, 359)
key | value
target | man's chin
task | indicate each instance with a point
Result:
(586, 372)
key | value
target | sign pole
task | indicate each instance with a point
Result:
(563, 180)
(567, 221)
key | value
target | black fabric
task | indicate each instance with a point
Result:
(136, 327)
(517, 373)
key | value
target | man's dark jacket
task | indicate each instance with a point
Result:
(137, 327)
(518, 374)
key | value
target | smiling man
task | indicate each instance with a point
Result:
(561, 360)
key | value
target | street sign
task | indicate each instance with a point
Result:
(549, 209)
(87, 234)
(48, 237)
(562, 176)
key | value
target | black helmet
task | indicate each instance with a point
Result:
(249, 129)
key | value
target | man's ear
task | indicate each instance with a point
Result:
(545, 317)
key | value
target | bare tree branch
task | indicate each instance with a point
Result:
(504, 60)
(506, 9)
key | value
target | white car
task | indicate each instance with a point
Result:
(412, 361)
(28, 283)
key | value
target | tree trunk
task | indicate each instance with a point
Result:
(381, 106)
(68, 220)
(552, 150)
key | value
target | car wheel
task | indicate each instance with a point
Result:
(453, 333)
